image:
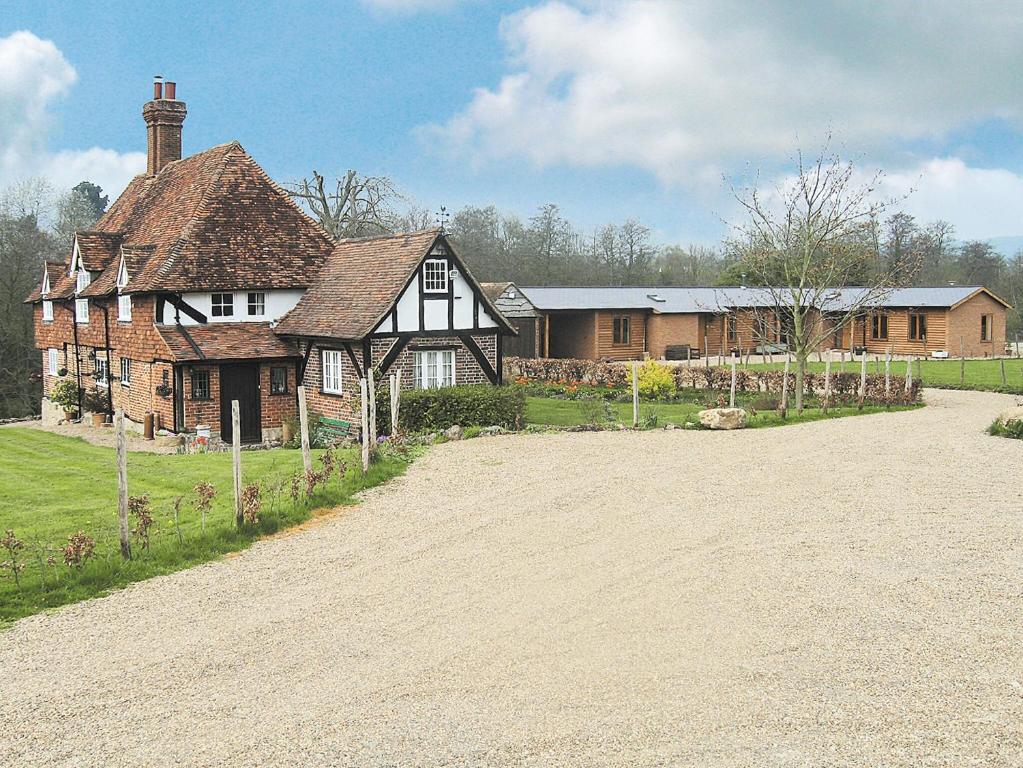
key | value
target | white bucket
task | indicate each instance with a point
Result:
(202, 430)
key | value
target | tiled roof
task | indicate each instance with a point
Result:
(509, 299)
(224, 341)
(494, 290)
(357, 286)
(57, 271)
(97, 250)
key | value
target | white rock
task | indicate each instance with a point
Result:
(723, 418)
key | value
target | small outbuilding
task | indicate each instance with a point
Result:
(511, 302)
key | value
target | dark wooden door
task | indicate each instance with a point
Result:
(523, 345)
(241, 383)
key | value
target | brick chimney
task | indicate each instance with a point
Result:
(164, 116)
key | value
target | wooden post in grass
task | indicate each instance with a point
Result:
(635, 394)
(689, 356)
(888, 372)
(393, 391)
(706, 351)
(303, 425)
(962, 362)
(909, 374)
(785, 387)
(371, 386)
(236, 458)
(841, 361)
(827, 382)
(731, 395)
(122, 486)
(1002, 361)
(364, 405)
(863, 378)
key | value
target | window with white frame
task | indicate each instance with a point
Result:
(82, 280)
(102, 372)
(81, 310)
(332, 371)
(125, 372)
(124, 307)
(223, 305)
(52, 362)
(257, 304)
(47, 311)
(434, 368)
(435, 276)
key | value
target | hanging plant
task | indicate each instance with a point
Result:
(163, 390)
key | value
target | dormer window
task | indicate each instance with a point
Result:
(124, 307)
(122, 275)
(82, 280)
(46, 284)
(47, 311)
(435, 276)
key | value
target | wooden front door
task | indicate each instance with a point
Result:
(241, 383)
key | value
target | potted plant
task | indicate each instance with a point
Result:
(96, 402)
(65, 395)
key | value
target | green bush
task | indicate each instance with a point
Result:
(65, 394)
(1012, 428)
(481, 405)
(655, 380)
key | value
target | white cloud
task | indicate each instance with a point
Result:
(686, 90)
(33, 75)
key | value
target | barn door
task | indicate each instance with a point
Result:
(241, 383)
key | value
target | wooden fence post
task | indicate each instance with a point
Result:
(962, 362)
(1002, 361)
(863, 379)
(635, 394)
(785, 386)
(372, 387)
(303, 424)
(364, 405)
(841, 361)
(706, 351)
(236, 458)
(394, 408)
(122, 486)
(909, 373)
(827, 382)
(731, 395)
(888, 372)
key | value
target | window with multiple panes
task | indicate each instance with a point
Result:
(125, 372)
(200, 384)
(879, 327)
(434, 368)
(733, 331)
(52, 363)
(47, 311)
(124, 307)
(82, 280)
(435, 276)
(81, 310)
(257, 304)
(102, 369)
(621, 332)
(278, 380)
(917, 326)
(332, 371)
(985, 327)
(223, 305)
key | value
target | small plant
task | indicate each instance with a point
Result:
(13, 545)
(204, 493)
(138, 507)
(296, 487)
(95, 401)
(1012, 428)
(79, 549)
(65, 394)
(655, 380)
(313, 479)
(649, 420)
(252, 502)
(596, 411)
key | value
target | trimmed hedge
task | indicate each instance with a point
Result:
(477, 405)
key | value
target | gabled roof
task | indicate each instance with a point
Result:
(509, 299)
(56, 272)
(96, 250)
(213, 221)
(224, 341)
(360, 281)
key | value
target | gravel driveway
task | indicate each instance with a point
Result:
(836, 593)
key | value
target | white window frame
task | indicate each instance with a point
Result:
(435, 276)
(257, 299)
(125, 372)
(82, 311)
(47, 311)
(330, 375)
(53, 361)
(82, 280)
(103, 367)
(433, 368)
(222, 306)
(124, 307)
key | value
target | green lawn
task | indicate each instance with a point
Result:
(568, 413)
(980, 374)
(52, 486)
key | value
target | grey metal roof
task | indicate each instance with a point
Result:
(684, 300)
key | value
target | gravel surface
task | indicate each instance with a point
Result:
(836, 593)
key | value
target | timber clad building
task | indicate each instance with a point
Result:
(628, 323)
(204, 283)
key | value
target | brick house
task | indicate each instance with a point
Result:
(170, 304)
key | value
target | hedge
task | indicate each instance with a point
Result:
(477, 405)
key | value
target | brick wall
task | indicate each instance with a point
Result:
(964, 322)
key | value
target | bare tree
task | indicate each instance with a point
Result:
(355, 206)
(805, 241)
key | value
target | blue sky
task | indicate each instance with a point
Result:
(611, 109)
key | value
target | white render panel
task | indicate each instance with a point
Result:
(408, 309)
(435, 314)
(277, 304)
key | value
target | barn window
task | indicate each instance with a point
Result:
(332, 371)
(223, 305)
(733, 331)
(622, 332)
(200, 384)
(125, 372)
(434, 368)
(47, 311)
(278, 380)
(435, 276)
(985, 327)
(917, 326)
(257, 304)
(879, 327)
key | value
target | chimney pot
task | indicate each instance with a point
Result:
(157, 87)
(171, 90)
(164, 116)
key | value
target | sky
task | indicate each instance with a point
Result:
(647, 109)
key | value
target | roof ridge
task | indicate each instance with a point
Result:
(366, 238)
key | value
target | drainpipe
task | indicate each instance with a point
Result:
(106, 341)
(78, 358)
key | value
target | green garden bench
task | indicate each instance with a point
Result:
(334, 429)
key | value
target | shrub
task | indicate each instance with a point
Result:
(1012, 428)
(65, 394)
(480, 405)
(139, 508)
(655, 380)
(596, 410)
(79, 549)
